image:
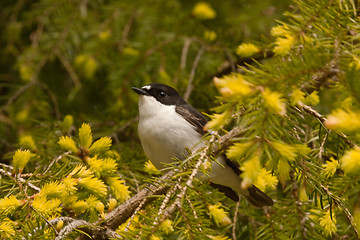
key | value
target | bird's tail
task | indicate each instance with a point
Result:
(257, 198)
(254, 195)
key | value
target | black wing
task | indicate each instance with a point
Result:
(192, 116)
(255, 196)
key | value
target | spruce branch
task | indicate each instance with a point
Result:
(319, 79)
(343, 207)
(104, 229)
(20, 179)
(322, 119)
(235, 220)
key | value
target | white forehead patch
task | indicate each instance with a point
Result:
(147, 87)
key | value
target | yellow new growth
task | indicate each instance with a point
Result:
(20, 159)
(238, 149)
(7, 230)
(100, 208)
(26, 72)
(112, 204)
(87, 64)
(356, 215)
(282, 171)
(297, 97)
(81, 171)
(150, 168)
(350, 162)
(210, 35)
(54, 190)
(247, 50)
(100, 145)
(233, 85)
(218, 237)
(265, 180)
(92, 201)
(342, 120)
(68, 144)
(94, 185)
(69, 184)
(27, 141)
(328, 223)
(117, 186)
(131, 227)
(203, 11)
(79, 207)
(219, 215)
(67, 123)
(280, 31)
(274, 102)
(330, 167)
(102, 166)
(286, 150)
(283, 45)
(251, 169)
(9, 204)
(166, 226)
(217, 121)
(46, 207)
(85, 135)
(312, 99)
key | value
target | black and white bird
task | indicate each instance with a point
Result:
(168, 125)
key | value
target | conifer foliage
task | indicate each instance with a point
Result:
(287, 110)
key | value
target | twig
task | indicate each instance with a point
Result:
(322, 119)
(32, 208)
(322, 149)
(320, 78)
(17, 94)
(295, 195)
(147, 54)
(120, 214)
(103, 229)
(126, 30)
(55, 160)
(165, 202)
(235, 220)
(203, 157)
(194, 211)
(184, 53)
(52, 98)
(183, 59)
(338, 201)
(74, 77)
(192, 73)
(8, 174)
(133, 215)
(71, 227)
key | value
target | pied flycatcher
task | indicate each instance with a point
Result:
(168, 125)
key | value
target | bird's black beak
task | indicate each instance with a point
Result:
(140, 91)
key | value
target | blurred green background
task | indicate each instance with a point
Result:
(81, 58)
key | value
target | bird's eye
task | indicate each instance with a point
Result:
(162, 94)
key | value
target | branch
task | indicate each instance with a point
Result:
(8, 174)
(120, 214)
(322, 119)
(192, 73)
(320, 78)
(340, 202)
(126, 210)
(104, 229)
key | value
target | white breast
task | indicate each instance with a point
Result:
(164, 134)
